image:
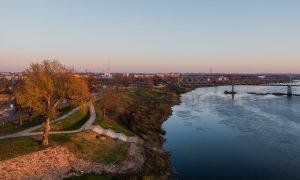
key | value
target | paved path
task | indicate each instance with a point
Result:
(26, 132)
(87, 126)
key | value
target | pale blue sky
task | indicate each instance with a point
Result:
(153, 35)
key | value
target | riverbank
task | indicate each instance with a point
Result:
(74, 155)
(110, 155)
(142, 111)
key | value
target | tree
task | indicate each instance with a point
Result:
(20, 108)
(109, 100)
(47, 85)
(19, 101)
(29, 111)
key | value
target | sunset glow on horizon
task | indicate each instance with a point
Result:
(153, 36)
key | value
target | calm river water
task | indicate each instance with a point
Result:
(212, 136)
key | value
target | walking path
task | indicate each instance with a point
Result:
(87, 126)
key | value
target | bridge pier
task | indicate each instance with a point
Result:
(232, 90)
(289, 91)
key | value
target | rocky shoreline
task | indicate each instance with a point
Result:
(148, 125)
(58, 162)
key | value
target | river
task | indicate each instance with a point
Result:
(212, 136)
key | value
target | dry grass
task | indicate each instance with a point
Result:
(86, 145)
(13, 147)
(91, 146)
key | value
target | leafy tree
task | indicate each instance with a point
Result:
(47, 85)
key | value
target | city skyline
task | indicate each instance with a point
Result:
(156, 36)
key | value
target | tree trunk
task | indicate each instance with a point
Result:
(29, 117)
(20, 118)
(46, 132)
(30, 113)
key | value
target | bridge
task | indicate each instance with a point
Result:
(233, 92)
(289, 92)
(289, 86)
(280, 84)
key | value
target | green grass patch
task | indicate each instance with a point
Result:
(87, 145)
(65, 110)
(148, 94)
(94, 177)
(14, 126)
(73, 122)
(13, 147)
(110, 124)
(91, 146)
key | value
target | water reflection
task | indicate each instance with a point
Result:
(213, 135)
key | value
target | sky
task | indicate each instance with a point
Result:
(232, 36)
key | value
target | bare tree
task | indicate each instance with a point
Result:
(20, 101)
(47, 85)
(109, 100)
(20, 109)
(29, 111)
